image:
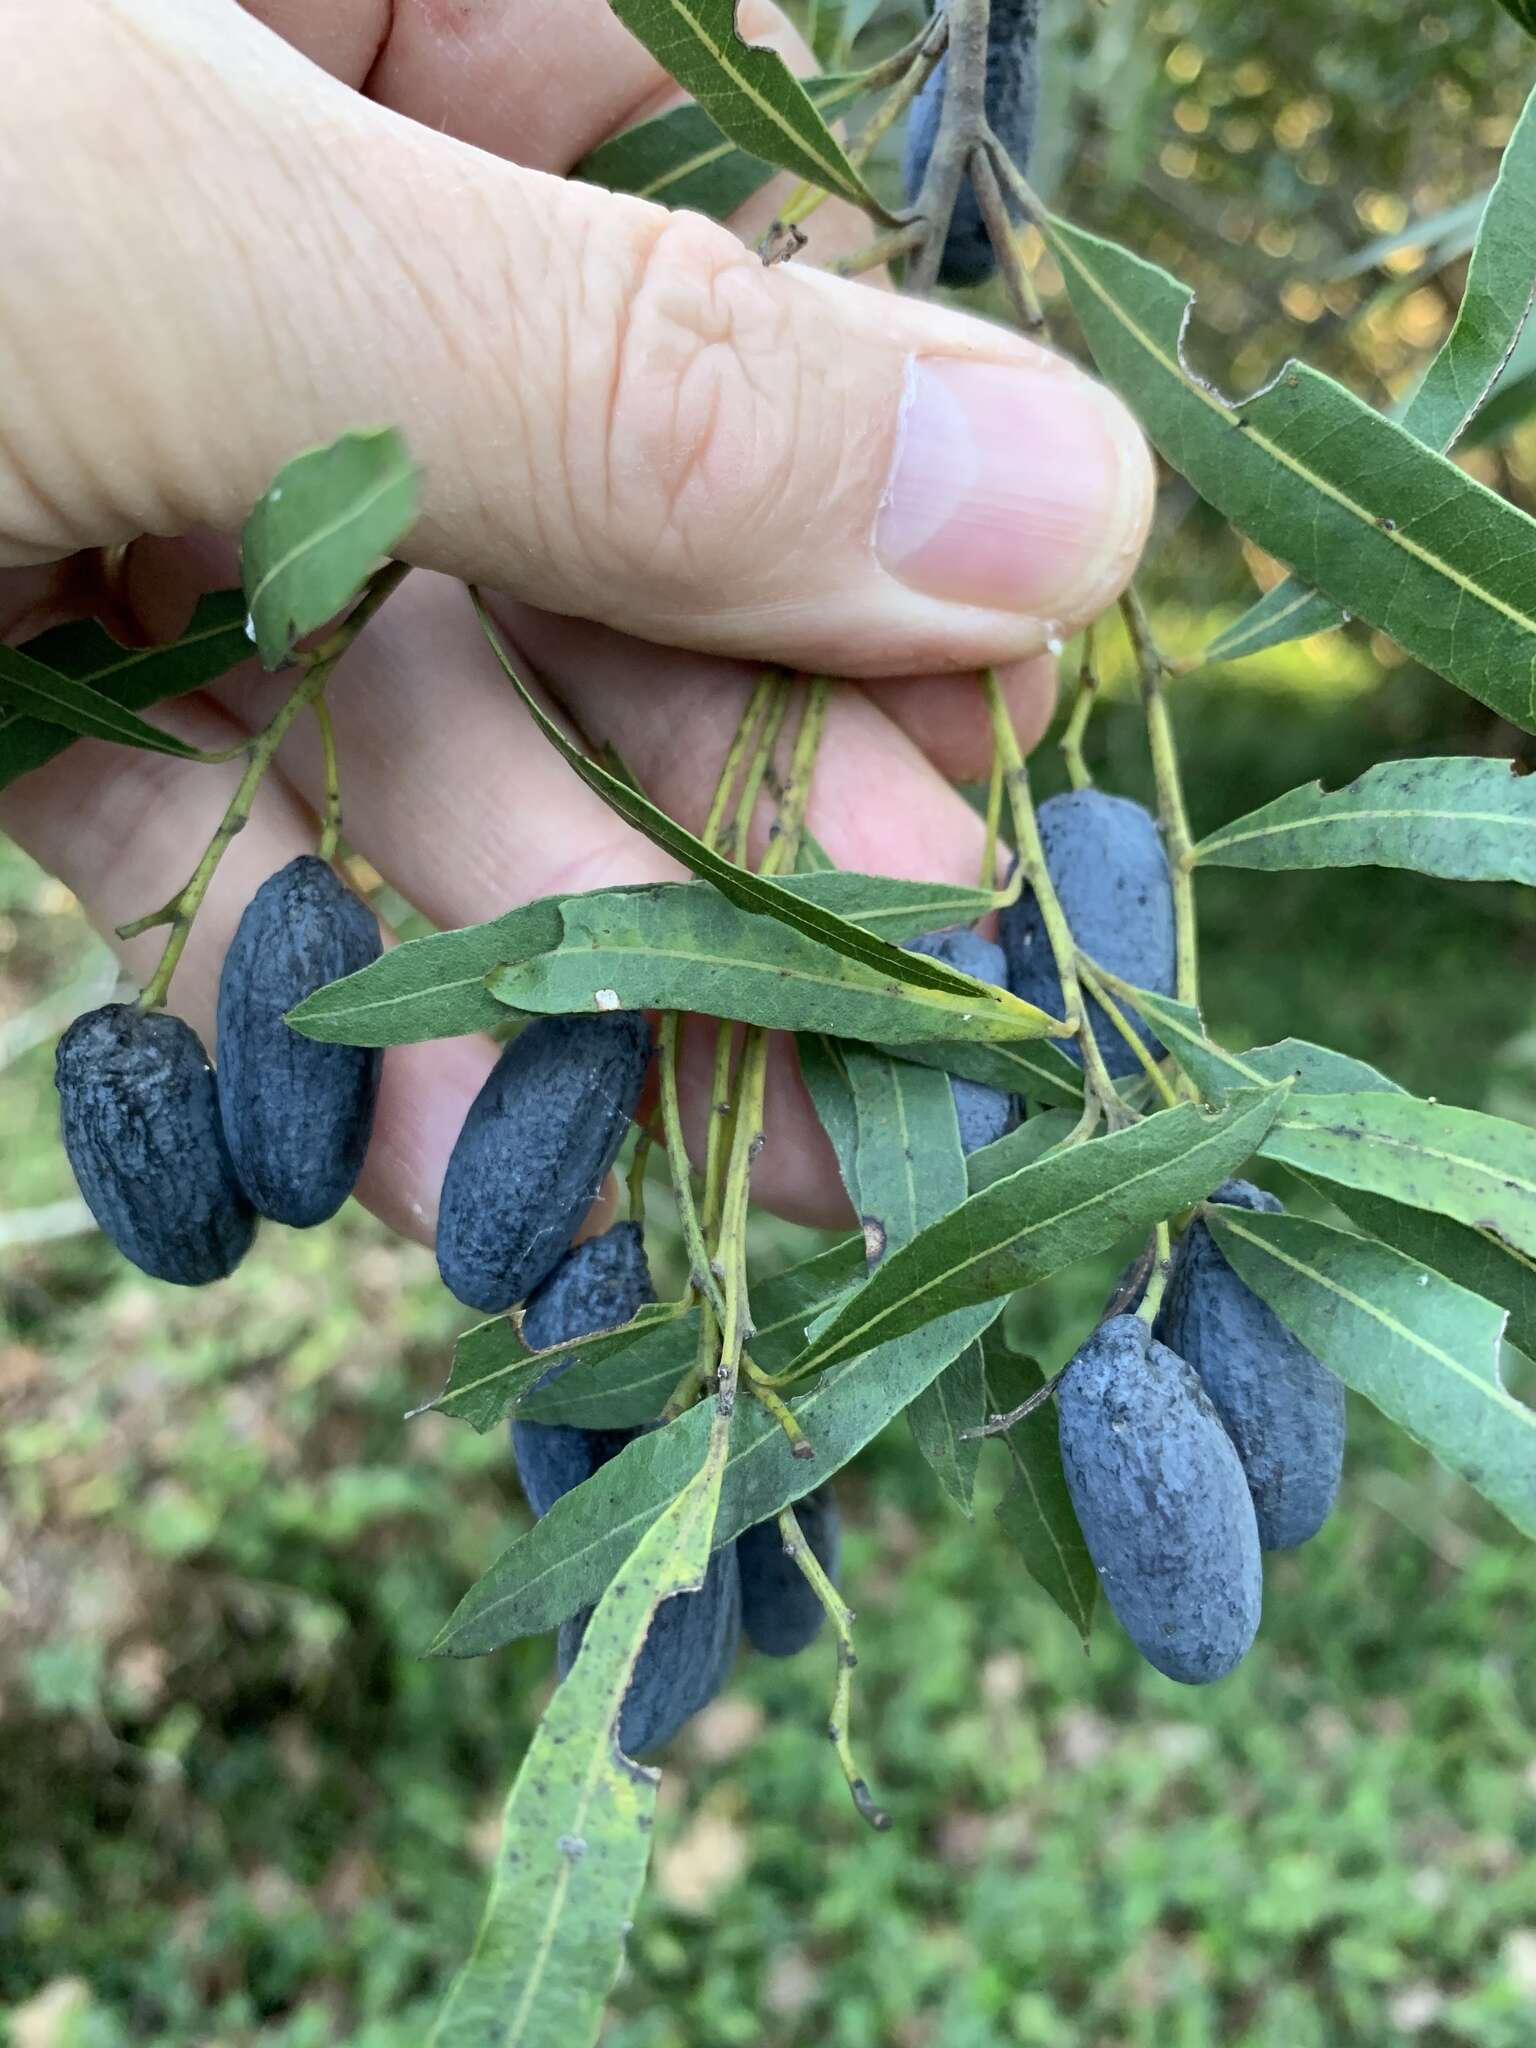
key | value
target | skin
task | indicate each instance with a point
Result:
(246, 230)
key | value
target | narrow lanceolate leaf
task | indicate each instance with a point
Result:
(1523, 11)
(576, 1834)
(1217, 1073)
(740, 885)
(1495, 306)
(1065, 1207)
(1466, 818)
(826, 1082)
(1425, 1351)
(681, 158)
(1020, 1148)
(670, 948)
(327, 519)
(1387, 528)
(434, 987)
(1460, 1163)
(943, 1420)
(749, 93)
(493, 1369)
(1032, 1067)
(1474, 1259)
(1036, 1513)
(34, 692)
(631, 1387)
(133, 678)
(563, 1562)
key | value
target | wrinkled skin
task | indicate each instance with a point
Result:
(985, 1114)
(693, 1637)
(297, 1114)
(1105, 857)
(139, 1114)
(779, 1607)
(1163, 1503)
(1281, 1407)
(529, 1162)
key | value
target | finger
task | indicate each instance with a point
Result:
(620, 413)
(487, 815)
(947, 719)
(124, 830)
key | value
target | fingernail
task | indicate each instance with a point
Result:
(1012, 488)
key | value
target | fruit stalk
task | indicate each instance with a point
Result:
(961, 120)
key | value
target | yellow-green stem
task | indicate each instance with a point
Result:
(1077, 724)
(1106, 1002)
(1157, 1279)
(840, 1615)
(184, 906)
(1172, 812)
(330, 833)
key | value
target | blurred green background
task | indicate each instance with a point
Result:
(237, 1809)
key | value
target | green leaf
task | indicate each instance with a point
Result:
(1019, 1148)
(1031, 1067)
(826, 1082)
(1385, 527)
(941, 1420)
(1474, 1259)
(35, 692)
(1495, 304)
(434, 987)
(132, 677)
(1425, 1351)
(493, 1369)
(681, 158)
(1065, 1207)
(666, 947)
(1460, 1163)
(576, 1834)
(749, 93)
(1036, 1514)
(562, 1563)
(326, 520)
(1523, 11)
(1217, 1072)
(739, 885)
(1463, 817)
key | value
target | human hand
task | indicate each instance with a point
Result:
(241, 236)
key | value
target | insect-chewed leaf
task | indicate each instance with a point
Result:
(1460, 1163)
(1495, 306)
(562, 1563)
(326, 519)
(1032, 1224)
(740, 886)
(1392, 531)
(131, 677)
(434, 987)
(1036, 1514)
(682, 159)
(493, 1369)
(671, 948)
(1425, 1351)
(32, 692)
(577, 1829)
(1468, 819)
(749, 92)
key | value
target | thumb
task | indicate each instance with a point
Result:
(620, 413)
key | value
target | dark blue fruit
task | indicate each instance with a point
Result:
(535, 1146)
(1164, 1506)
(693, 1636)
(985, 1114)
(1013, 98)
(1281, 1407)
(1105, 856)
(297, 1114)
(779, 1607)
(140, 1120)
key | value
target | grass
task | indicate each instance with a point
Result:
(239, 1810)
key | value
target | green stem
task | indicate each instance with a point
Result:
(1172, 812)
(882, 250)
(840, 1614)
(184, 906)
(1106, 1002)
(735, 841)
(1157, 1279)
(736, 753)
(1082, 710)
(1026, 833)
(635, 1178)
(330, 835)
(699, 1268)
